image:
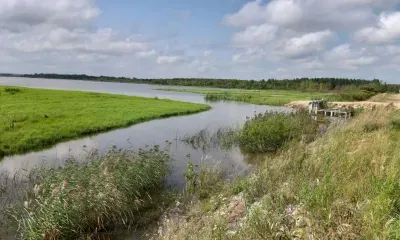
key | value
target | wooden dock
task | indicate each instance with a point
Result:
(336, 112)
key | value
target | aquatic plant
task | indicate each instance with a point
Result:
(98, 193)
(271, 130)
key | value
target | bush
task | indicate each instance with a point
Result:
(12, 90)
(103, 192)
(270, 131)
(371, 127)
(354, 96)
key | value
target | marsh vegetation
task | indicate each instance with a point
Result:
(102, 192)
(32, 119)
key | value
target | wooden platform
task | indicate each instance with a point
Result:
(335, 112)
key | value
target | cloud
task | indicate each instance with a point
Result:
(361, 61)
(207, 53)
(304, 15)
(34, 27)
(251, 13)
(255, 35)
(386, 31)
(168, 59)
(18, 15)
(305, 45)
(103, 41)
(250, 55)
(284, 12)
(201, 66)
(146, 54)
(346, 57)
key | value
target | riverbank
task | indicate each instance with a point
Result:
(260, 97)
(33, 119)
(380, 100)
(344, 185)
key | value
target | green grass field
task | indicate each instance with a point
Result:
(32, 119)
(260, 97)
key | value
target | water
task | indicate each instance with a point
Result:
(151, 133)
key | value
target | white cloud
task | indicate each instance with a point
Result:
(305, 15)
(250, 55)
(255, 35)
(168, 59)
(103, 41)
(207, 53)
(146, 54)
(251, 13)
(310, 63)
(346, 57)
(201, 66)
(361, 61)
(18, 15)
(33, 26)
(386, 31)
(284, 12)
(305, 45)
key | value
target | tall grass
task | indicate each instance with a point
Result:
(271, 130)
(97, 194)
(262, 133)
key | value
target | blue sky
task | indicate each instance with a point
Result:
(224, 39)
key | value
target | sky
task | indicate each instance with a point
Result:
(202, 38)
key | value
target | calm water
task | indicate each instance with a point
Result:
(151, 133)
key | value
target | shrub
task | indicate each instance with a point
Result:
(371, 127)
(104, 191)
(354, 96)
(395, 123)
(12, 90)
(270, 131)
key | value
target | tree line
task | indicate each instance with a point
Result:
(304, 84)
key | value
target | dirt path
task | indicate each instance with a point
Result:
(378, 100)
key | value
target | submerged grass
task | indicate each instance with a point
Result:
(262, 133)
(96, 194)
(32, 119)
(344, 185)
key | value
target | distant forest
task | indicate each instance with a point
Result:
(304, 84)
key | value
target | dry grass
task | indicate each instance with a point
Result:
(344, 185)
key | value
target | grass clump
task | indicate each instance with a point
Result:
(12, 90)
(270, 131)
(36, 118)
(97, 194)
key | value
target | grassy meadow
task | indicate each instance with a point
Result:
(260, 97)
(32, 119)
